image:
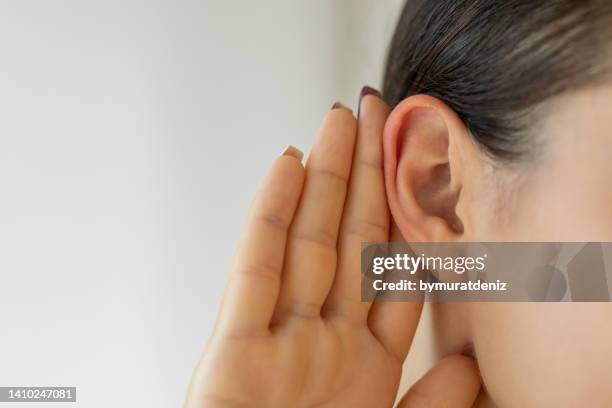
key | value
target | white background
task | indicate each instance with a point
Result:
(132, 137)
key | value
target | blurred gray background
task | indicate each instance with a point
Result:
(133, 136)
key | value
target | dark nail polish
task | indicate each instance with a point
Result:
(294, 152)
(368, 90)
(365, 91)
(339, 105)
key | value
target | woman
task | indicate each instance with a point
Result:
(496, 130)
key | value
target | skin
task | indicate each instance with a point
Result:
(292, 331)
(530, 355)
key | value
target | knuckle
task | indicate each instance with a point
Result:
(266, 272)
(330, 174)
(272, 220)
(303, 309)
(319, 236)
(366, 230)
(371, 164)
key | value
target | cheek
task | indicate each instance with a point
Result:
(551, 204)
(572, 211)
(554, 217)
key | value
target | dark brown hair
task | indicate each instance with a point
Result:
(495, 61)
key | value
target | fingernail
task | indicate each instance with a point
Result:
(365, 91)
(294, 152)
(368, 90)
(339, 105)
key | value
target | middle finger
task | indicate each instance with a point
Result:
(310, 261)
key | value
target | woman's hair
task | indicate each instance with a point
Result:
(495, 62)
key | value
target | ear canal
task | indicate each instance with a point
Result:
(434, 194)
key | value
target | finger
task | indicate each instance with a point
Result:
(453, 382)
(383, 318)
(366, 214)
(254, 284)
(311, 248)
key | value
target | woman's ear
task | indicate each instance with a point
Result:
(426, 149)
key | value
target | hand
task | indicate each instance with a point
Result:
(292, 331)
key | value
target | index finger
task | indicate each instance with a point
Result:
(366, 213)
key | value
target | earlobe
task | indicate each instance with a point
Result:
(423, 151)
